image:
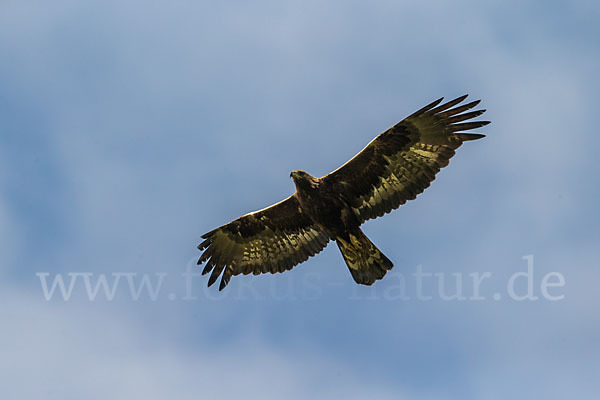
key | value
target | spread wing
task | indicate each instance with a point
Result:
(402, 162)
(274, 239)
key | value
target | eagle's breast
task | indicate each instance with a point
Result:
(325, 209)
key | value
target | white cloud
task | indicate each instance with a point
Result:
(65, 351)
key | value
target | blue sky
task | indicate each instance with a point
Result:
(129, 129)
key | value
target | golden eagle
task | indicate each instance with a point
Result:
(395, 167)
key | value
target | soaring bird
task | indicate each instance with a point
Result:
(394, 167)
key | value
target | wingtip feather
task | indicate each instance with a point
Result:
(465, 137)
(208, 234)
(213, 278)
(449, 104)
(206, 269)
(204, 244)
(427, 107)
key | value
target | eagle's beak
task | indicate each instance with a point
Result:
(293, 174)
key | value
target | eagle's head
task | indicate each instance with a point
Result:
(303, 179)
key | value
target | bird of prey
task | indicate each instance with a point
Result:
(394, 167)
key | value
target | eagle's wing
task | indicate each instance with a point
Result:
(401, 162)
(270, 240)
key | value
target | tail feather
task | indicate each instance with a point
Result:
(365, 261)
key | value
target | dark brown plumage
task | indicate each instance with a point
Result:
(395, 167)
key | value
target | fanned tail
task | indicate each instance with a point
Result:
(365, 261)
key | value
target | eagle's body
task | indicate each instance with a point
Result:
(326, 207)
(395, 167)
(323, 205)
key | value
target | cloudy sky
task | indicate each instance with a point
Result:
(128, 129)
